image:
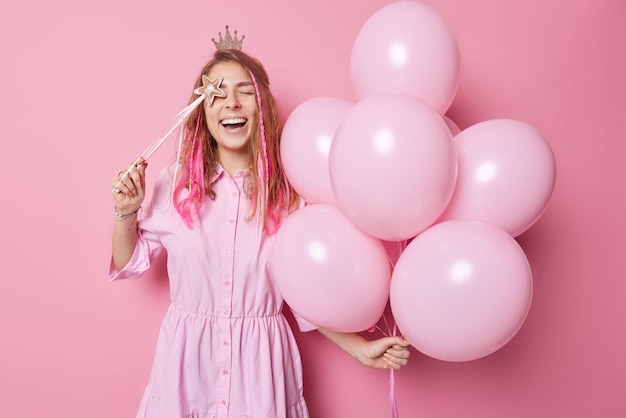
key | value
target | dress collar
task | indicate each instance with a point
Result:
(220, 171)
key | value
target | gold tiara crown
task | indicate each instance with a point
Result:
(228, 42)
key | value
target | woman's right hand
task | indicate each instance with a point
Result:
(128, 193)
(128, 190)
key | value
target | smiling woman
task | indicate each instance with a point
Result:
(225, 348)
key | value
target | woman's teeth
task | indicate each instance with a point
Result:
(234, 122)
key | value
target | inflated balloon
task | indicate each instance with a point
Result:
(392, 166)
(407, 47)
(461, 290)
(305, 144)
(329, 271)
(506, 175)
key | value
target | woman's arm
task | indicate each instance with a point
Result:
(128, 195)
(382, 353)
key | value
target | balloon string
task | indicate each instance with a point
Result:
(391, 334)
(392, 395)
(393, 405)
(392, 386)
(401, 246)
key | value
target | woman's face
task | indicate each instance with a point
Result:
(230, 119)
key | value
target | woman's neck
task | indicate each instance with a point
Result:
(234, 163)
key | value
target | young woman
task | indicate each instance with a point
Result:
(225, 348)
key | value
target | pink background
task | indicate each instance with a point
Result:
(85, 86)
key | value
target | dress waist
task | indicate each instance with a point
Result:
(224, 314)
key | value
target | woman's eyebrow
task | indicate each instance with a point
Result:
(239, 84)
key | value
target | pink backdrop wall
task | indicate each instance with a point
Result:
(85, 86)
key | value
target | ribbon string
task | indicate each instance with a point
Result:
(391, 332)
(392, 386)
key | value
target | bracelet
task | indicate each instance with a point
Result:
(123, 216)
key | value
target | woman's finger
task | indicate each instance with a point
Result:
(394, 362)
(135, 182)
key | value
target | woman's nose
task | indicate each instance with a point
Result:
(231, 101)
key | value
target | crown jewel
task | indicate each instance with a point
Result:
(228, 42)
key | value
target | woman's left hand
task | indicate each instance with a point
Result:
(385, 353)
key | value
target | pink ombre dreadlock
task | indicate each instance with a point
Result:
(272, 196)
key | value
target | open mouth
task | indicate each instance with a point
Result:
(234, 123)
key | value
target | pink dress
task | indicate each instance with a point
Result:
(225, 349)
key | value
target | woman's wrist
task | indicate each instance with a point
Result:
(126, 214)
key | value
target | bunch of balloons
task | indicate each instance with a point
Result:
(394, 169)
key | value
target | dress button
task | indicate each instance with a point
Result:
(226, 283)
(224, 372)
(228, 251)
(231, 221)
(225, 343)
(223, 402)
(226, 311)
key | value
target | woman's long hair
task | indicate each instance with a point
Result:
(272, 197)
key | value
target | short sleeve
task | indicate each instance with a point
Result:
(146, 250)
(303, 324)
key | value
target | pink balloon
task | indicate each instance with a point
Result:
(461, 290)
(305, 144)
(407, 47)
(330, 272)
(392, 166)
(506, 175)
